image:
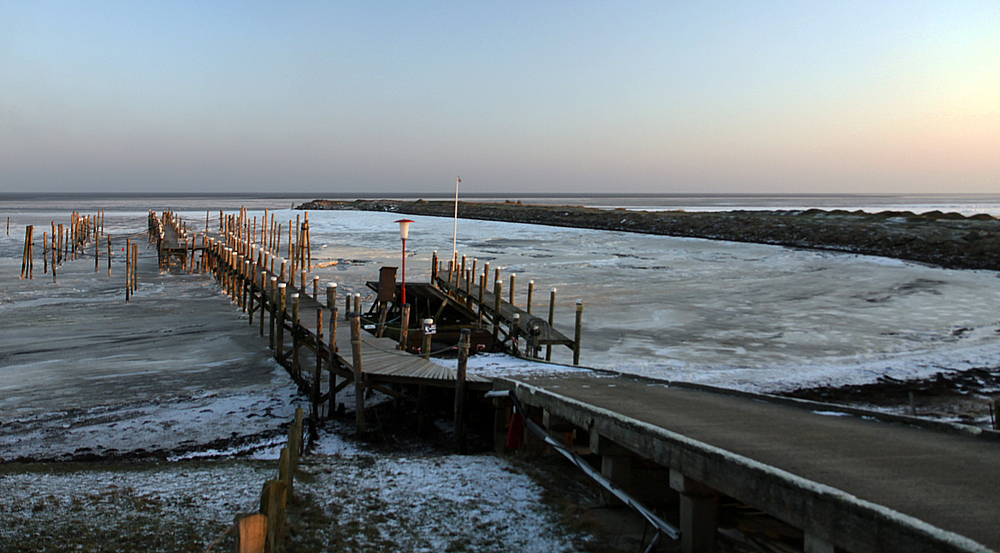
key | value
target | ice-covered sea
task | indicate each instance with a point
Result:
(730, 314)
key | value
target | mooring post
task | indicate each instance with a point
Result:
(316, 287)
(318, 375)
(272, 309)
(515, 328)
(512, 277)
(331, 295)
(531, 293)
(497, 292)
(463, 360)
(552, 320)
(279, 341)
(296, 339)
(426, 349)
(357, 302)
(434, 268)
(333, 363)
(578, 333)
(404, 326)
(359, 384)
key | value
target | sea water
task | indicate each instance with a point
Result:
(740, 315)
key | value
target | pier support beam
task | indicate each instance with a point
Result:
(699, 513)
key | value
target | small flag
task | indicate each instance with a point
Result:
(459, 179)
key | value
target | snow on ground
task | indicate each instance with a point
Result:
(164, 507)
(430, 503)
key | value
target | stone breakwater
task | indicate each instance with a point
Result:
(949, 240)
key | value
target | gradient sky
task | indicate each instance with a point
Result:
(657, 97)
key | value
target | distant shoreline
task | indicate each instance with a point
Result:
(949, 240)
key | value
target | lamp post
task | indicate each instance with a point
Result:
(404, 230)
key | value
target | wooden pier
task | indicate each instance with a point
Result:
(861, 482)
(306, 331)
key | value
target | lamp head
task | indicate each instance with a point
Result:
(404, 228)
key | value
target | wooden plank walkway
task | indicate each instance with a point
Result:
(382, 362)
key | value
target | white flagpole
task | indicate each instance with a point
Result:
(454, 239)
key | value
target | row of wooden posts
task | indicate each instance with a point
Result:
(252, 278)
(244, 228)
(68, 242)
(264, 531)
(464, 270)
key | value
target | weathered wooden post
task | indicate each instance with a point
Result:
(515, 329)
(294, 449)
(426, 348)
(552, 320)
(272, 505)
(334, 363)
(331, 295)
(128, 269)
(512, 277)
(497, 293)
(279, 341)
(318, 375)
(316, 287)
(251, 534)
(359, 375)
(463, 359)
(434, 265)
(296, 339)
(404, 326)
(482, 290)
(531, 293)
(578, 333)
(272, 305)
(357, 302)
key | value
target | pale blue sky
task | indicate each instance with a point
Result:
(657, 97)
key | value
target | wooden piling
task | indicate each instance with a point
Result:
(128, 269)
(463, 359)
(404, 326)
(318, 375)
(578, 333)
(331, 295)
(552, 320)
(426, 348)
(511, 300)
(531, 293)
(359, 384)
(497, 293)
(279, 340)
(272, 308)
(334, 363)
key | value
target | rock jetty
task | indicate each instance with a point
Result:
(949, 240)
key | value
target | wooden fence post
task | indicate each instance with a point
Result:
(359, 384)
(272, 505)
(463, 359)
(251, 534)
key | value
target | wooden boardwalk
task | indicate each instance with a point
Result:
(536, 331)
(299, 326)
